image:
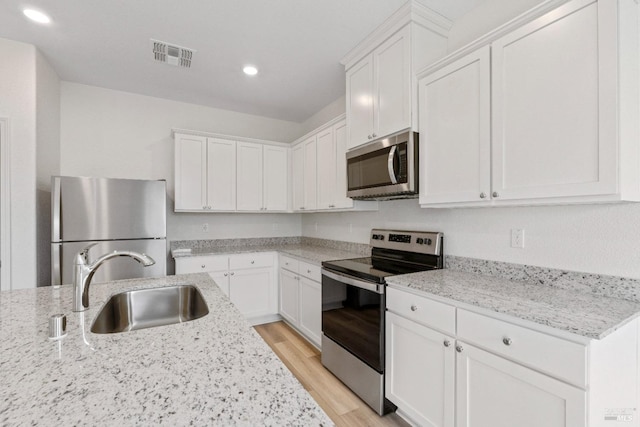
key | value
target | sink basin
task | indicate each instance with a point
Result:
(148, 308)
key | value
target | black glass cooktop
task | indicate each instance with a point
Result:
(377, 268)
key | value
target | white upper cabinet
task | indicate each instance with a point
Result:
(326, 164)
(455, 142)
(221, 174)
(319, 171)
(556, 109)
(190, 172)
(262, 177)
(380, 72)
(275, 178)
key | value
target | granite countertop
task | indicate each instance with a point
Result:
(578, 312)
(215, 370)
(309, 253)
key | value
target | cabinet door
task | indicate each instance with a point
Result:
(252, 291)
(222, 280)
(190, 172)
(310, 177)
(455, 150)
(492, 391)
(297, 184)
(289, 285)
(249, 177)
(221, 174)
(340, 197)
(392, 84)
(360, 102)
(310, 309)
(326, 166)
(420, 372)
(275, 178)
(550, 137)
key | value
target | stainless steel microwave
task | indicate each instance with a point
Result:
(385, 169)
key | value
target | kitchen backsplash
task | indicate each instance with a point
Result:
(610, 286)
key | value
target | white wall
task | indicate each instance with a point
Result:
(326, 114)
(47, 159)
(123, 135)
(18, 104)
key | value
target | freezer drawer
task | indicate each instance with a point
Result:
(62, 260)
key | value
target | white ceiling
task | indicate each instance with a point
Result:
(296, 44)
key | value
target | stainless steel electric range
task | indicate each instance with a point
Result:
(353, 307)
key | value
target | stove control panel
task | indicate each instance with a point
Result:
(411, 241)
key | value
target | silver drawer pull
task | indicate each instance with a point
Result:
(203, 266)
(232, 273)
(483, 195)
(459, 348)
(447, 343)
(414, 307)
(507, 341)
(226, 274)
(495, 194)
(253, 262)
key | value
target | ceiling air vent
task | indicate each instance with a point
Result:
(171, 54)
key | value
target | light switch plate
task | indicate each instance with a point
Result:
(517, 238)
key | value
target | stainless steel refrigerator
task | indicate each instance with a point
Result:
(110, 214)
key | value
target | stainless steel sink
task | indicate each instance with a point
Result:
(147, 308)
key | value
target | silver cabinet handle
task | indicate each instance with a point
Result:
(253, 262)
(459, 348)
(447, 343)
(414, 307)
(495, 194)
(232, 273)
(301, 207)
(369, 136)
(507, 341)
(226, 274)
(483, 195)
(308, 271)
(332, 206)
(374, 135)
(203, 266)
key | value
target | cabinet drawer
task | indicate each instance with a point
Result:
(199, 264)
(552, 355)
(422, 310)
(254, 260)
(289, 263)
(310, 271)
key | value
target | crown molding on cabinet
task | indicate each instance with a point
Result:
(412, 11)
(518, 21)
(320, 128)
(174, 131)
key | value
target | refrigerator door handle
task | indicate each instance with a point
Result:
(55, 209)
(56, 261)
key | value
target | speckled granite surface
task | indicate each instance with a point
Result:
(609, 286)
(581, 313)
(212, 371)
(309, 253)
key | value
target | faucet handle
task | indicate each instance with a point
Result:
(84, 253)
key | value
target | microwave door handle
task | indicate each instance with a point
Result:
(392, 172)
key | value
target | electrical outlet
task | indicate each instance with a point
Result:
(517, 238)
(205, 227)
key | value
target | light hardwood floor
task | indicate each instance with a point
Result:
(303, 360)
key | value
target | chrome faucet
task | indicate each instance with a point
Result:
(83, 273)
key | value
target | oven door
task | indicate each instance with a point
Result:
(353, 316)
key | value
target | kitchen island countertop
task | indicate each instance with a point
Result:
(211, 371)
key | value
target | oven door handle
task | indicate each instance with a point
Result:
(379, 289)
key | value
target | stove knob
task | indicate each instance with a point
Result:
(374, 237)
(419, 240)
(427, 242)
(381, 236)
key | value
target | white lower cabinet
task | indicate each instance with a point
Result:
(447, 366)
(420, 371)
(301, 298)
(493, 391)
(248, 279)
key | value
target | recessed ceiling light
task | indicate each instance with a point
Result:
(250, 70)
(37, 16)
